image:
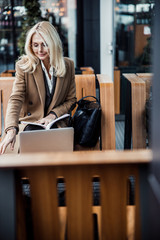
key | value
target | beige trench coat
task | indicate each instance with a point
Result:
(27, 99)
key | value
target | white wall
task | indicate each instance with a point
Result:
(106, 37)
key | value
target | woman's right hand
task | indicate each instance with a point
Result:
(10, 138)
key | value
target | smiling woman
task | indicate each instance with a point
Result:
(40, 49)
(44, 78)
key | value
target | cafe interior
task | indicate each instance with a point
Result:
(109, 191)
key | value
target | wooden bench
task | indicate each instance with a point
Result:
(6, 84)
(106, 88)
(7, 73)
(85, 85)
(87, 70)
(48, 220)
(138, 87)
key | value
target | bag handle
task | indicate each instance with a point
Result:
(87, 97)
(74, 105)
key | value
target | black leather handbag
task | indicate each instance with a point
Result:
(86, 121)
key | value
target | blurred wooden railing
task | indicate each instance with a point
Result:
(44, 219)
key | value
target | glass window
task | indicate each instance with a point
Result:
(10, 30)
(62, 14)
(133, 23)
(6, 42)
(133, 40)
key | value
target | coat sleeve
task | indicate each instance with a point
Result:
(16, 99)
(71, 93)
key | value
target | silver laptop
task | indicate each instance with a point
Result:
(58, 139)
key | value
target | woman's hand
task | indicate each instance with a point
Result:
(49, 118)
(10, 138)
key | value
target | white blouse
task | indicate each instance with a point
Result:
(49, 81)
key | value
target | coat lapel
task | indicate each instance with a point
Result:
(38, 76)
(58, 89)
(59, 85)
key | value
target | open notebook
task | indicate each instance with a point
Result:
(58, 139)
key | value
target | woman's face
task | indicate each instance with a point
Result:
(39, 48)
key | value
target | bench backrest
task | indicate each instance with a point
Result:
(87, 70)
(8, 73)
(85, 85)
(6, 84)
(106, 88)
(49, 221)
(138, 88)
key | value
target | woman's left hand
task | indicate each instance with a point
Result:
(45, 121)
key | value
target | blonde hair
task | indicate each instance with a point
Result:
(51, 38)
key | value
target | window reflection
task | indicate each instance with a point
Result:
(6, 47)
(10, 30)
(133, 40)
(61, 13)
(133, 23)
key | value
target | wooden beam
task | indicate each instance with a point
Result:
(73, 158)
(138, 101)
(108, 115)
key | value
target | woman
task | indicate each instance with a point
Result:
(44, 86)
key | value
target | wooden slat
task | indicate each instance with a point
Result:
(113, 200)
(44, 202)
(79, 203)
(117, 91)
(97, 210)
(130, 216)
(108, 115)
(63, 221)
(138, 98)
